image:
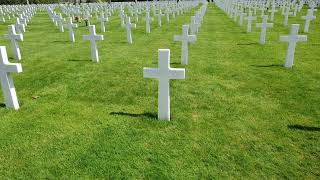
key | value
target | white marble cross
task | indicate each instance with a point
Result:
(286, 15)
(193, 25)
(9, 92)
(60, 21)
(185, 38)
(273, 10)
(264, 25)
(122, 16)
(309, 17)
(13, 37)
(159, 17)
(292, 39)
(102, 20)
(148, 22)
(20, 28)
(164, 73)
(249, 19)
(129, 26)
(70, 26)
(93, 37)
(241, 15)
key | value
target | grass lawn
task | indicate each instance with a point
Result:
(238, 113)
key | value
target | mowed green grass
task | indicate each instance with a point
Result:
(238, 113)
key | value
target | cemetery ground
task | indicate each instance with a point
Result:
(238, 112)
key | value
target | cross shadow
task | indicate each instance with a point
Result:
(142, 115)
(247, 44)
(303, 128)
(77, 60)
(271, 65)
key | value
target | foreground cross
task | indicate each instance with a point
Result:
(264, 25)
(12, 36)
(93, 37)
(292, 39)
(164, 73)
(185, 38)
(9, 92)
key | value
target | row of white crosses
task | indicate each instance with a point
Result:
(292, 38)
(164, 73)
(8, 89)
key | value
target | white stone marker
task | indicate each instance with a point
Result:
(159, 17)
(185, 38)
(13, 37)
(60, 19)
(147, 22)
(292, 39)
(241, 15)
(129, 26)
(286, 15)
(92, 37)
(9, 92)
(273, 10)
(193, 25)
(309, 17)
(249, 19)
(70, 26)
(20, 28)
(102, 20)
(164, 73)
(264, 25)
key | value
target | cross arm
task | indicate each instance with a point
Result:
(284, 38)
(302, 38)
(150, 72)
(11, 67)
(98, 37)
(176, 73)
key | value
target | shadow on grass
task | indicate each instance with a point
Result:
(303, 128)
(2, 105)
(143, 115)
(78, 60)
(271, 65)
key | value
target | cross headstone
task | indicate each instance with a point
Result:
(164, 73)
(129, 26)
(70, 26)
(193, 25)
(249, 19)
(13, 37)
(241, 15)
(60, 21)
(102, 20)
(9, 92)
(148, 22)
(185, 38)
(20, 28)
(93, 37)
(286, 15)
(308, 18)
(264, 25)
(159, 17)
(292, 39)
